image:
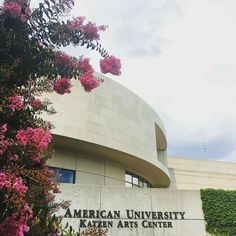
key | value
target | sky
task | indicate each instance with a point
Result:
(180, 57)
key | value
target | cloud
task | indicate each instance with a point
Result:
(180, 56)
(134, 26)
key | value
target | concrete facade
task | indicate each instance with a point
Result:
(115, 124)
(104, 133)
(102, 136)
(185, 174)
(159, 212)
(90, 169)
(197, 174)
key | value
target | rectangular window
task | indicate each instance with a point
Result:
(128, 178)
(133, 180)
(66, 176)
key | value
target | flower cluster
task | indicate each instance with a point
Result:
(90, 30)
(5, 143)
(36, 104)
(16, 225)
(62, 86)
(34, 138)
(13, 8)
(13, 157)
(88, 81)
(13, 183)
(32, 67)
(16, 103)
(83, 65)
(63, 60)
(36, 141)
(76, 24)
(111, 65)
(17, 8)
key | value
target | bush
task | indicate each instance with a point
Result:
(219, 207)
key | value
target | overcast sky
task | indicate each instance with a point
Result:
(180, 57)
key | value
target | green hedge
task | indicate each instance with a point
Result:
(219, 208)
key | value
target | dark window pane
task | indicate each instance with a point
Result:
(66, 176)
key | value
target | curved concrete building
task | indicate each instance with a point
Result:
(111, 139)
(108, 134)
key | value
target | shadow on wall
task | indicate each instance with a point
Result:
(173, 184)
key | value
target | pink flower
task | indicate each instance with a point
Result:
(4, 180)
(13, 8)
(89, 82)
(36, 104)
(5, 143)
(16, 103)
(64, 60)
(90, 30)
(16, 224)
(15, 184)
(36, 140)
(19, 186)
(12, 227)
(25, 15)
(111, 65)
(3, 128)
(76, 23)
(22, 137)
(83, 65)
(13, 157)
(62, 86)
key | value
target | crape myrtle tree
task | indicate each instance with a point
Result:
(31, 64)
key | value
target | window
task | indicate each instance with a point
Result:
(132, 180)
(66, 176)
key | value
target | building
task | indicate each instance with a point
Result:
(109, 140)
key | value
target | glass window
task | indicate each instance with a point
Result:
(128, 178)
(140, 184)
(66, 176)
(132, 180)
(135, 180)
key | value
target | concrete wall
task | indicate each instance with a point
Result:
(186, 174)
(196, 174)
(157, 201)
(89, 168)
(114, 118)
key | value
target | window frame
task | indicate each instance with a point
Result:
(61, 169)
(141, 181)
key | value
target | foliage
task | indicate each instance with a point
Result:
(219, 207)
(31, 64)
(93, 231)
